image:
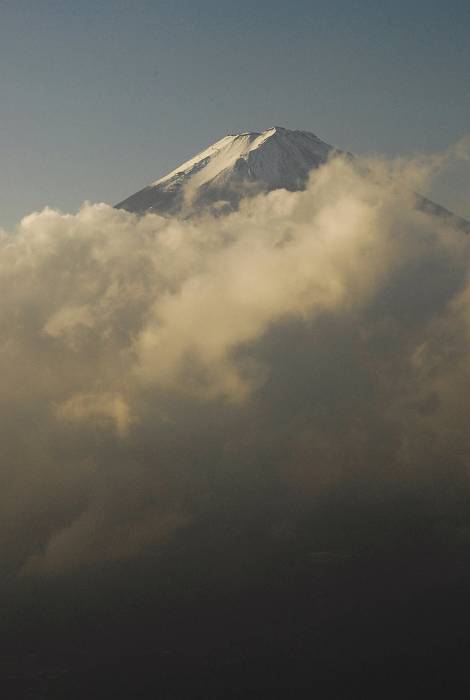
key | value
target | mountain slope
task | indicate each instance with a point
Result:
(237, 165)
(241, 165)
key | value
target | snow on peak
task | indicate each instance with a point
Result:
(236, 165)
(243, 165)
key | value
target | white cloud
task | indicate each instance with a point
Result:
(329, 325)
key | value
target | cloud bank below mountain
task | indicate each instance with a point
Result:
(154, 369)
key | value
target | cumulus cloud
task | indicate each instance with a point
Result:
(306, 339)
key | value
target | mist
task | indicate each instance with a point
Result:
(318, 336)
(284, 386)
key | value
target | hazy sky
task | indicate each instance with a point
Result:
(97, 99)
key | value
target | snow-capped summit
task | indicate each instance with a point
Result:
(241, 165)
(237, 165)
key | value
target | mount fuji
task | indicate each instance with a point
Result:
(241, 165)
(234, 167)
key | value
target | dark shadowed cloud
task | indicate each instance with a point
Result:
(154, 368)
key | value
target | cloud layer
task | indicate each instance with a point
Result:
(156, 370)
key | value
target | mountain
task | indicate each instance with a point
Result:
(237, 165)
(241, 165)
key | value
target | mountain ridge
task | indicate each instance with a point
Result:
(246, 164)
(232, 167)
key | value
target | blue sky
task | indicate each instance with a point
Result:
(97, 99)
